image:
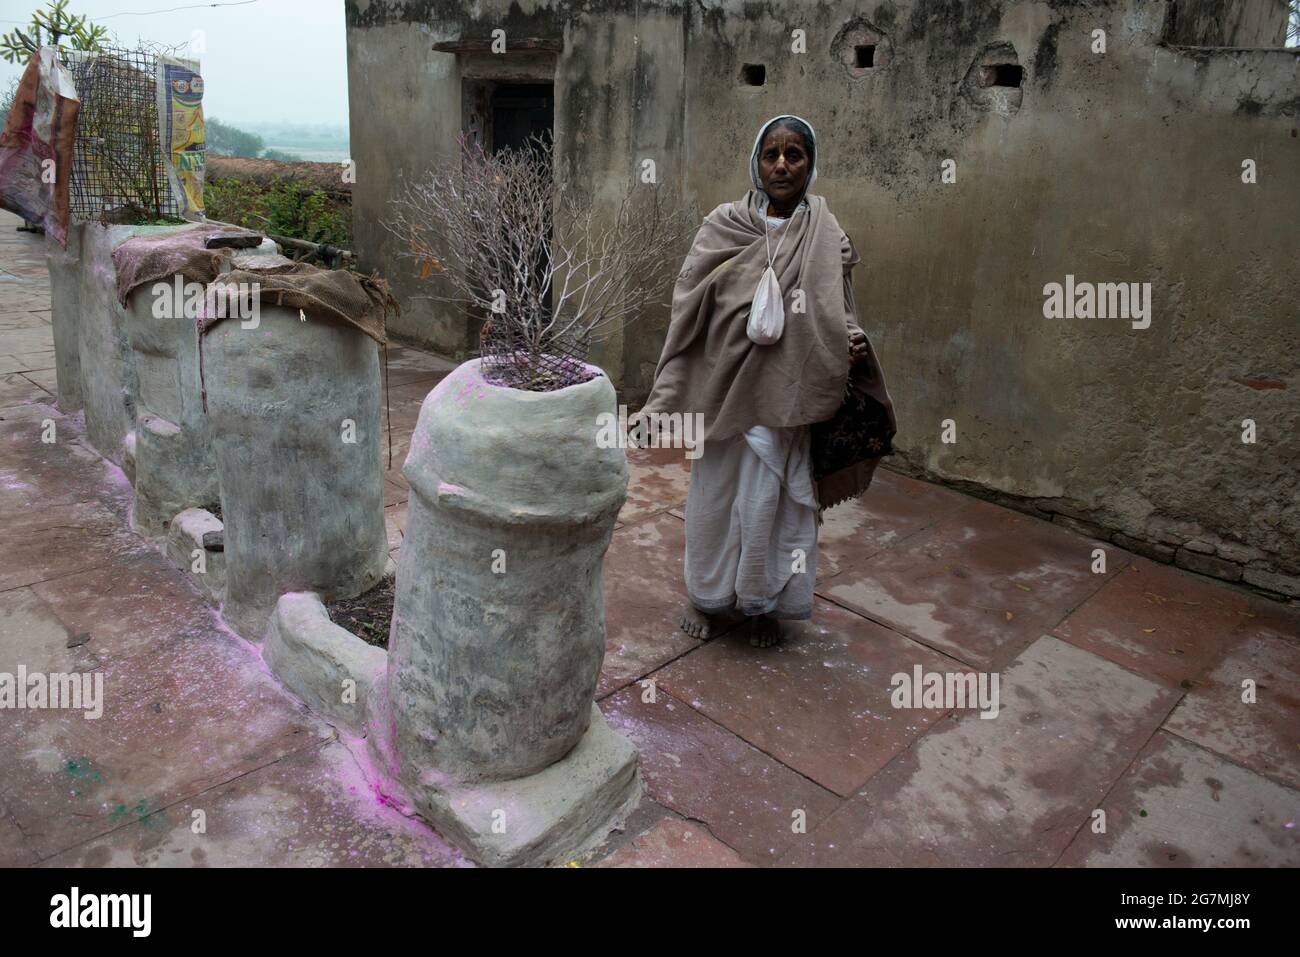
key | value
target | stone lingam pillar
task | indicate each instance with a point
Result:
(485, 718)
(293, 408)
(175, 468)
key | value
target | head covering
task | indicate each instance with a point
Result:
(758, 142)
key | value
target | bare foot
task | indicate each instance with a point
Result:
(764, 632)
(697, 624)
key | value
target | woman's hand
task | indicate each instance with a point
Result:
(640, 432)
(857, 346)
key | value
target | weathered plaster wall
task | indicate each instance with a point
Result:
(620, 95)
(1116, 167)
(404, 101)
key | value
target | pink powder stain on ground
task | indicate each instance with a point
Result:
(365, 777)
(11, 481)
(116, 476)
(254, 652)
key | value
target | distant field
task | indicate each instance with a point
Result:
(308, 153)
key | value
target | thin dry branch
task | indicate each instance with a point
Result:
(551, 268)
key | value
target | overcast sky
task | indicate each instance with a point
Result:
(266, 60)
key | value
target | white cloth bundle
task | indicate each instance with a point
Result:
(767, 312)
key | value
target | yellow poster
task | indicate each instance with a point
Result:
(180, 120)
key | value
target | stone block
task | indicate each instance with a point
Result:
(316, 659)
(1207, 565)
(185, 542)
(1152, 550)
(1273, 581)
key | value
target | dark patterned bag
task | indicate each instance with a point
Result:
(859, 430)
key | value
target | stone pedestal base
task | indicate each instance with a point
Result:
(547, 818)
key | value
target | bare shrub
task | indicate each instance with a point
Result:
(549, 267)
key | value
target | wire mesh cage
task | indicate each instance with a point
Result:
(514, 357)
(118, 173)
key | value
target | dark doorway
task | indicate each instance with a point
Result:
(520, 111)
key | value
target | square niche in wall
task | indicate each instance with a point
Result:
(861, 49)
(995, 80)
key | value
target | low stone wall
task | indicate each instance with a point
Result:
(1171, 541)
(330, 669)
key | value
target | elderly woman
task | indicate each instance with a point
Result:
(763, 341)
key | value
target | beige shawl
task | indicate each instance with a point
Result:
(710, 365)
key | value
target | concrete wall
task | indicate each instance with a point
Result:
(620, 97)
(1117, 167)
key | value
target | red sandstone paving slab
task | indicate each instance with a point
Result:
(37, 338)
(31, 635)
(644, 817)
(404, 401)
(1159, 621)
(819, 702)
(200, 712)
(126, 608)
(1010, 791)
(657, 479)
(29, 300)
(309, 809)
(60, 540)
(644, 596)
(394, 474)
(1182, 806)
(674, 843)
(1263, 735)
(15, 851)
(894, 508)
(35, 476)
(15, 420)
(981, 585)
(401, 444)
(20, 320)
(407, 365)
(18, 390)
(45, 379)
(395, 523)
(64, 509)
(1273, 618)
(704, 772)
(394, 493)
(32, 361)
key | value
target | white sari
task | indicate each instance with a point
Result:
(751, 523)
